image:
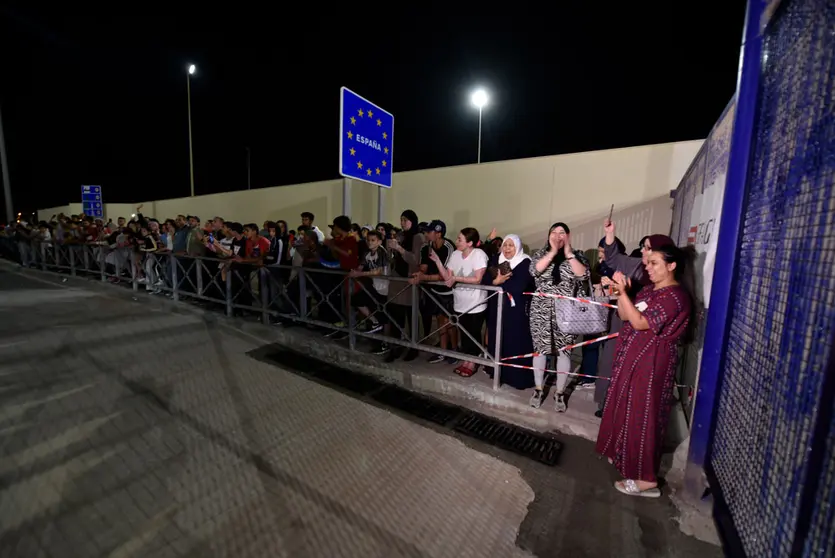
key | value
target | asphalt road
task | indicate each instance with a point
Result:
(138, 429)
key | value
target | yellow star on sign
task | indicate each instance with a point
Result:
(359, 164)
(370, 114)
(384, 162)
(369, 172)
(378, 170)
(350, 135)
(360, 112)
(386, 150)
(385, 135)
(353, 120)
(379, 122)
(353, 151)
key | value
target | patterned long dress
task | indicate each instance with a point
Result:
(545, 332)
(641, 393)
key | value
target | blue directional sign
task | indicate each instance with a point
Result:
(366, 140)
(91, 201)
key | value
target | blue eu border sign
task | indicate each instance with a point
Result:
(91, 201)
(366, 140)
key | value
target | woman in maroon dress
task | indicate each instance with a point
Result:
(643, 374)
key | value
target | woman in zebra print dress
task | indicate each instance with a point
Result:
(556, 269)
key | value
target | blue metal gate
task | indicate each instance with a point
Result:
(771, 326)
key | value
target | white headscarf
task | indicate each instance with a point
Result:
(519, 257)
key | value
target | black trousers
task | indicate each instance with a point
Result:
(241, 288)
(372, 300)
(401, 315)
(473, 324)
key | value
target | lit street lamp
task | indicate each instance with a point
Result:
(191, 69)
(479, 100)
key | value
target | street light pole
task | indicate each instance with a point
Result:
(191, 70)
(248, 170)
(4, 163)
(479, 100)
(479, 135)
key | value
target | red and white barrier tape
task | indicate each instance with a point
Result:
(574, 346)
(567, 347)
(584, 300)
(690, 388)
(590, 342)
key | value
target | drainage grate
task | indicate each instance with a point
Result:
(295, 361)
(539, 447)
(417, 405)
(542, 448)
(351, 381)
(345, 379)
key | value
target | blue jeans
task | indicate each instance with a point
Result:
(591, 354)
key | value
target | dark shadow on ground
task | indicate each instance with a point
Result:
(576, 511)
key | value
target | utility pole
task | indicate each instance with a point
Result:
(4, 163)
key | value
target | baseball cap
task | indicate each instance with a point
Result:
(438, 226)
(423, 226)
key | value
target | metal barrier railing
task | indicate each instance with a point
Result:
(299, 294)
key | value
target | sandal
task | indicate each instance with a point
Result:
(630, 488)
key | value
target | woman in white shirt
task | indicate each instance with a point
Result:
(466, 266)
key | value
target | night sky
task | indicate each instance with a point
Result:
(101, 98)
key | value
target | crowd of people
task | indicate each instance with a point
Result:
(635, 372)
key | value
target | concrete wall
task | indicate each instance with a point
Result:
(521, 196)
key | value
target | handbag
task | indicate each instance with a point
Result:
(503, 268)
(580, 318)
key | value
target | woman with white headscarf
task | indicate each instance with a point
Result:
(510, 269)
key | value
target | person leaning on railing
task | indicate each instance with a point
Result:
(232, 243)
(373, 290)
(510, 270)
(467, 267)
(147, 247)
(404, 252)
(256, 248)
(438, 301)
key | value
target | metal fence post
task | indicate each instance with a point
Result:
(86, 257)
(174, 293)
(229, 309)
(102, 264)
(43, 256)
(720, 306)
(302, 293)
(497, 350)
(352, 319)
(414, 327)
(199, 266)
(133, 277)
(264, 282)
(72, 261)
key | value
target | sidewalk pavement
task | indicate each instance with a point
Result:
(439, 380)
(476, 392)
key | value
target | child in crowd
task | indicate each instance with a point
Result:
(374, 264)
